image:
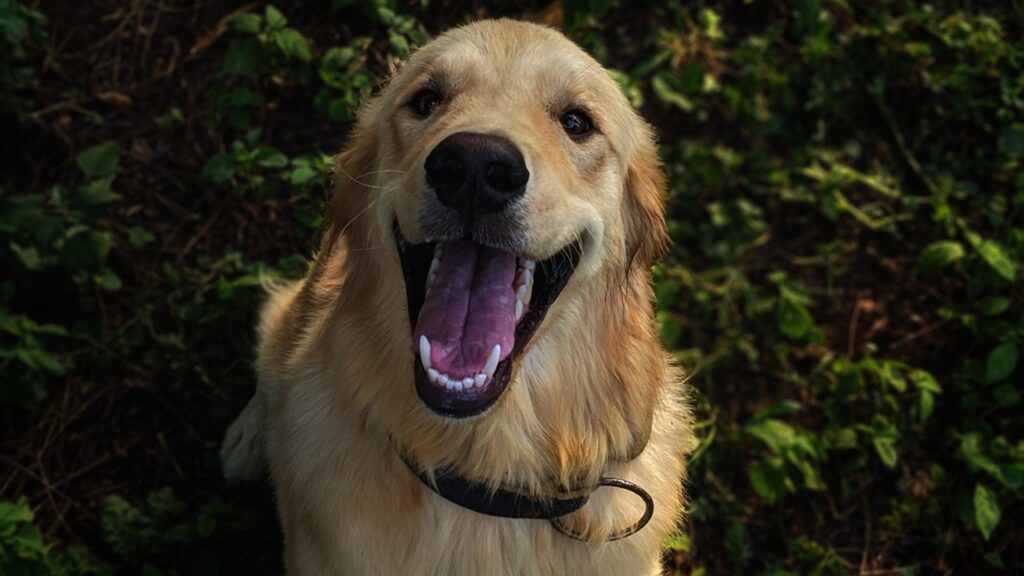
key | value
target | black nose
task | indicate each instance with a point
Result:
(476, 174)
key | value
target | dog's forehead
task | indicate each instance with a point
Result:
(508, 51)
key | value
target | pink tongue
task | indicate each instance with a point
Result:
(470, 308)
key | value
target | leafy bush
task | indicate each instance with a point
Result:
(845, 206)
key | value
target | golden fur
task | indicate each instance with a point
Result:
(593, 395)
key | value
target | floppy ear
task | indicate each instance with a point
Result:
(353, 185)
(645, 196)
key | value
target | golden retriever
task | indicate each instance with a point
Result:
(480, 310)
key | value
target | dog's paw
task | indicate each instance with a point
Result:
(241, 454)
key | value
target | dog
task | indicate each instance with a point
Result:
(468, 380)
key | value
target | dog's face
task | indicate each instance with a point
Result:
(512, 174)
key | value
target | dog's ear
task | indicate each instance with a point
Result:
(645, 196)
(353, 183)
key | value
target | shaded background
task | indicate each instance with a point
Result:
(843, 286)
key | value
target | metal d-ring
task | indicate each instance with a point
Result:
(624, 485)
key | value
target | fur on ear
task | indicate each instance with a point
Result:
(645, 197)
(347, 208)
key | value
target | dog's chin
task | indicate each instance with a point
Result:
(465, 371)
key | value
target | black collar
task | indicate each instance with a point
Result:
(497, 502)
(506, 503)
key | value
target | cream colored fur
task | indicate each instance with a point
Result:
(593, 395)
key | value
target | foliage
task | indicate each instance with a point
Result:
(843, 286)
(23, 552)
(22, 33)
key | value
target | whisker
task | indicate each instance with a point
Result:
(341, 169)
(383, 171)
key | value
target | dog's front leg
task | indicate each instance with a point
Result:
(241, 453)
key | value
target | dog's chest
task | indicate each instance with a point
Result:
(350, 506)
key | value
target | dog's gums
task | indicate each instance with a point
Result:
(472, 311)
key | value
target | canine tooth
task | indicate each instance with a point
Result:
(492, 361)
(529, 265)
(467, 383)
(432, 374)
(434, 264)
(521, 292)
(425, 351)
(480, 379)
(519, 309)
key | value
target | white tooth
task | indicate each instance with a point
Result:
(492, 361)
(432, 374)
(480, 379)
(519, 309)
(467, 382)
(434, 264)
(443, 379)
(430, 280)
(425, 351)
(529, 288)
(529, 265)
(457, 385)
(521, 292)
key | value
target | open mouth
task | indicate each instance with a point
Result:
(473, 310)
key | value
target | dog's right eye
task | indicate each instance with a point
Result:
(424, 102)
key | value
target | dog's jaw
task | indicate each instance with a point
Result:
(459, 379)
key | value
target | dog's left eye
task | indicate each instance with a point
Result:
(425, 101)
(576, 123)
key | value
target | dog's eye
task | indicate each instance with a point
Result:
(424, 102)
(577, 124)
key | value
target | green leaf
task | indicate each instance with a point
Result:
(775, 433)
(15, 512)
(94, 194)
(275, 19)
(994, 305)
(41, 360)
(139, 236)
(664, 91)
(768, 478)
(108, 280)
(302, 174)
(293, 44)
(885, 446)
(986, 510)
(86, 250)
(679, 542)
(924, 381)
(28, 256)
(973, 453)
(994, 255)
(1002, 361)
(248, 23)
(99, 160)
(218, 169)
(926, 405)
(270, 158)
(399, 45)
(242, 59)
(938, 255)
(793, 319)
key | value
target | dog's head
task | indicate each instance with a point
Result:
(520, 188)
